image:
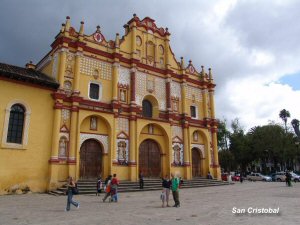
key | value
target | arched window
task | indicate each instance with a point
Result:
(147, 108)
(16, 124)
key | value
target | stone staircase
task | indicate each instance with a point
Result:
(89, 186)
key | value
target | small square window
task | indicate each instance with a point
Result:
(94, 91)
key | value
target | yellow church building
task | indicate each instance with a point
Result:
(93, 107)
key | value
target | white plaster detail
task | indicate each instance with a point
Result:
(193, 91)
(177, 131)
(122, 136)
(65, 114)
(159, 89)
(103, 139)
(176, 90)
(88, 66)
(123, 125)
(200, 147)
(124, 76)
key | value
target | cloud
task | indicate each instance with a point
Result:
(250, 45)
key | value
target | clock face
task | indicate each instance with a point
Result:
(98, 37)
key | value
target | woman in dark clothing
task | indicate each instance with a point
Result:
(166, 184)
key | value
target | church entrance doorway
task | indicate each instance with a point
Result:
(196, 163)
(149, 159)
(90, 159)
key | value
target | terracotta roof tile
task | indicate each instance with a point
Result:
(27, 75)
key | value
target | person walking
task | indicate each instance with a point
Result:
(107, 187)
(141, 179)
(114, 188)
(70, 191)
(166, 184)
(175, 190)
(99, 186)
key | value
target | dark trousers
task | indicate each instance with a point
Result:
(141, 183)
(176, 197)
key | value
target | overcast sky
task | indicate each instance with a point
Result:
(252, 46)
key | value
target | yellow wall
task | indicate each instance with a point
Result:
(30, 165)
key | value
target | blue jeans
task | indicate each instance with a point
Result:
(70, 200)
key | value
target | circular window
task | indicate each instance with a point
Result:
(138, 41)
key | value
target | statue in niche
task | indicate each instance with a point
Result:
(175, 106)
(176, 149)
(62, 147)
(195, 136)
(122, 154)
(122, 95)
(150, 129)
(93, 123)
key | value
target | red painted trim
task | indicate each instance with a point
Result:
(60, 40)
(71, 161)
(53, 161)
(93, 133)
(132, 85)
(131, 163)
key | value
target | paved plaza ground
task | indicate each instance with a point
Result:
(207, 206)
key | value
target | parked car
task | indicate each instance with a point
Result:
(273, 176)
(224, 176)
(258, 177)
(295, 177)
(236, 177)
(280, 176)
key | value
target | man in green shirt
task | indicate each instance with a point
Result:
(175, 186)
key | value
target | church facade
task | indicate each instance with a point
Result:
(93, 107)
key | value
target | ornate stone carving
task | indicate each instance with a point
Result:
(176, 90)
(193, 93)
(200, 147)
(101, 138)
(177, 154)
(122, 151)
(141, 89)
(65, 115)
(124, 76)
(88, 66)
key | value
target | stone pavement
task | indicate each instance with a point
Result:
(207, 206)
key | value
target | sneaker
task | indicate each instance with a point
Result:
(66, 210)
(78, 206)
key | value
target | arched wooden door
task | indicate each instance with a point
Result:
(90, 159)
(149, 159)
(196, 163)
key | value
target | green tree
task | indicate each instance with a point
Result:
(223, 135)
(227, 160)
(239, 146)
(284, 115)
